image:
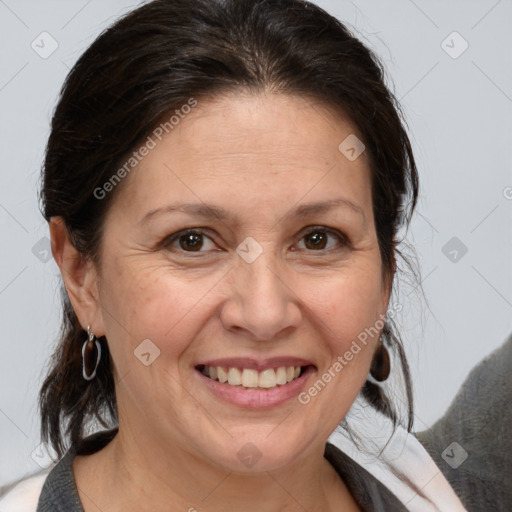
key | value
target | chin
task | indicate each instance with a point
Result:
(261, 452)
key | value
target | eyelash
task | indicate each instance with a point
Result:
(341, 238)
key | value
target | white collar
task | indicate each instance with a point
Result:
(398, 461)
(24, 496)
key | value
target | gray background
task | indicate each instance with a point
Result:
(459, 111)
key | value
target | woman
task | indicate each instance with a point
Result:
(224, 183)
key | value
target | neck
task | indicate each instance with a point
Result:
(144, 478)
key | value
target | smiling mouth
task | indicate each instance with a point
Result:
(249, 378)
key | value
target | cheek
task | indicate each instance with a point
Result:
(152, 304)
(346, 306)
(350, 298)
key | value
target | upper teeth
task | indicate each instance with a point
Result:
(250, 378)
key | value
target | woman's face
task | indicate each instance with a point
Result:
(244, 240)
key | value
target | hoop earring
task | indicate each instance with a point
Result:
(91, 355)
(381, 366)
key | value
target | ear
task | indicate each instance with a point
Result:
(80, 278)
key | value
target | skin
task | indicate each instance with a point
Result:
(259, 157)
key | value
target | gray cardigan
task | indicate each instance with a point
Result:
(479, 420)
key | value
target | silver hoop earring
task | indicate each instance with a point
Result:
(91, 355)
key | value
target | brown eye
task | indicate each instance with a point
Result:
(191, 242)
(323, 239)
(316, 240)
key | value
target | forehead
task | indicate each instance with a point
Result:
(249, 149)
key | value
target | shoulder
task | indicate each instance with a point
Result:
(472, 442)
(24, 495)
(59, 492)
(366, 489)
(398, 461)
(52, 489)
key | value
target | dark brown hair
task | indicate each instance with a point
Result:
(152, 61)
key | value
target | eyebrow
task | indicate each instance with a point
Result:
(209, 211)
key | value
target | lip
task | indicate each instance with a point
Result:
(254, 364)
(256, 399)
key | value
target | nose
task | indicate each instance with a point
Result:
(261, 303)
